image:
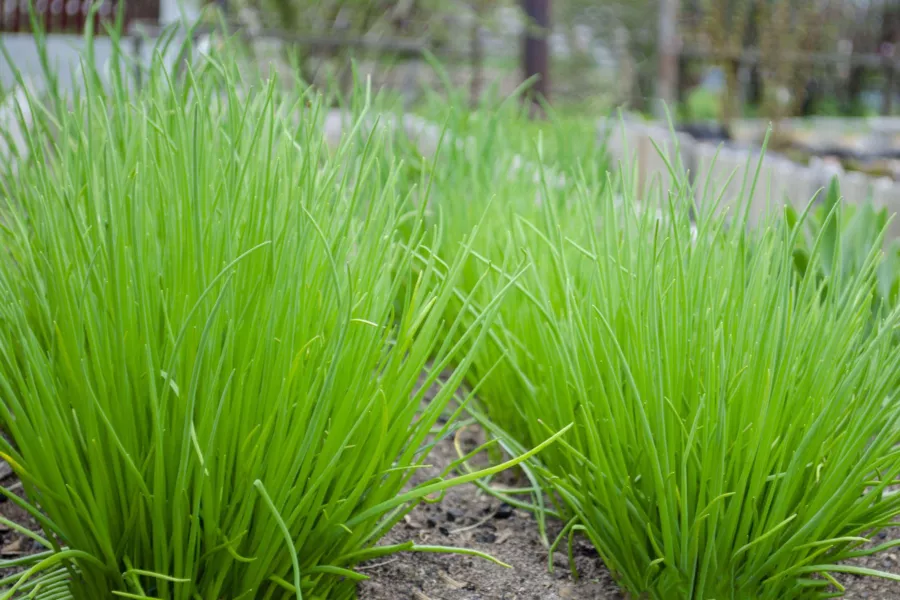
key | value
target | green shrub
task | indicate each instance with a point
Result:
(489, 178)
(735, 430)
(211, 333)
(847, 233)
(703, 105)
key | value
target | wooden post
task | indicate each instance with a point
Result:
(887, 97)
(681, 83)
(137, 52)
(667, 67)
(535, 55)
(476, 58)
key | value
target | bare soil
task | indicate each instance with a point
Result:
(888, 561)
(470, 518)
(12, 543)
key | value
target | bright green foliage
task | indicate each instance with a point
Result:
(735, 430)
(703, 105)
(847, 233)
(490, 177)
(212, 326)
(211, 332)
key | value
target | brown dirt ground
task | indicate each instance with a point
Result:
(468, 517)
(874, 588)
(12, 543)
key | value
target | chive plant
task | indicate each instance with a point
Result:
(735, 429)
(211, 333)
(860, 228)
(487, 182)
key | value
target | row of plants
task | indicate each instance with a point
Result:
(732, 389)
(213, 325)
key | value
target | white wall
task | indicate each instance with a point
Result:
(65, 51)
(781, 181)
(171, 10)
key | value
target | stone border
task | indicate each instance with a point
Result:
(720, 167)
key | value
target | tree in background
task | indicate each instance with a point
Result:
(778, 34)
(724, 24)
(625, 28)
(867, 27)
(789, 30)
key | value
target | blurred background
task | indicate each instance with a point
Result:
(721, 67)
(712, 60)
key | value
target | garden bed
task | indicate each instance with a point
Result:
(306, 326)
(470, 518)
